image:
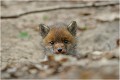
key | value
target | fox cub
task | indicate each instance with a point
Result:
(59, 39)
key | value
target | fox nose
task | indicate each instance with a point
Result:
(59, 49)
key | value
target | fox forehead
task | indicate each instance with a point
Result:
(59, 34)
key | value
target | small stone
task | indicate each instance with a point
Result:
(95, 55)
(12, 70)
(33, 71)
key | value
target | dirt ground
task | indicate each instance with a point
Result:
(98, 31)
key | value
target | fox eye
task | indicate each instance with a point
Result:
(52, 42)
(66, 41)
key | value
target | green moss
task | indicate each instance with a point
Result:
(84, 28)
(24, 35)
(45, 17)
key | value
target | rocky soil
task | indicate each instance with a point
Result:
(98, 41)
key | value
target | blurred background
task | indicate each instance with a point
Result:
(97, 20)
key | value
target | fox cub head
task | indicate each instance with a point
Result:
(59, 39)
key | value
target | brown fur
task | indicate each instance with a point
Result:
(58, 35)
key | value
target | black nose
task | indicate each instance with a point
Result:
(59, 49)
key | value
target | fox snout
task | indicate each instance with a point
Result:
(59, 48)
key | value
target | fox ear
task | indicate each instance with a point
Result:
(72, 27)
(43, 30)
